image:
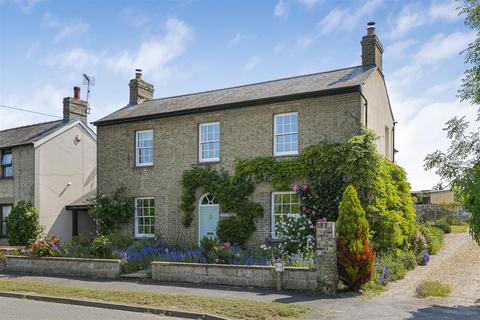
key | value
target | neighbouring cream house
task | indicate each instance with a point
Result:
(50, 165)
(149, 143)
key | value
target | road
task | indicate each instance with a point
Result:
(21, 309)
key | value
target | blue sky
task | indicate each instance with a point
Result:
(188, 46)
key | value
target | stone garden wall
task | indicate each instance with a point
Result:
(321, 279)
(96, 268)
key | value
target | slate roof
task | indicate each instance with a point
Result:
(84, 202)
(28, 134)
(231, 97)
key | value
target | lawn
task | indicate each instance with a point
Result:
(460, 229)
(232, 308)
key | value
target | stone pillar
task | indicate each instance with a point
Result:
(326, 262)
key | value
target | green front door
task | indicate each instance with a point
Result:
(208, 220)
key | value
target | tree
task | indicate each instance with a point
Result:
(23, 225)
(355, 256)
(110, 211)
(459, 166)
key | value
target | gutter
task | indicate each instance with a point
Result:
(225, 106)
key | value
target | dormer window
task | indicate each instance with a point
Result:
(7, 168)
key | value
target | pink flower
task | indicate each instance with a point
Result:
(237, 255)
(305, 209)
(227, 244)
(305, 186)
(296, 188)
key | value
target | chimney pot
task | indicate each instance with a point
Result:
(371, 28)
(138, 74)
(76, 93)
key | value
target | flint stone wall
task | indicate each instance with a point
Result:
(95, 268)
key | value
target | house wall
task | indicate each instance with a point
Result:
(379, 116)
(442, 197)
(59, 161)
(245, 133)
(21, 186)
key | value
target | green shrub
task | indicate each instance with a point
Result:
(120, 240)
(408, 259)
(396, 267)
(433, 289)
(444, 225)
(102, 247)
(78, 247)
(355, 256)
(433, 236)
(110, 211)
(23, 225)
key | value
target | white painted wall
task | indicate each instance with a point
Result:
(59, 161)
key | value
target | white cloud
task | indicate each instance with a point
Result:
(415, 15)
(340, 19)
(399, 49)
(45, 98)
(280, 9)
(134, 17)
(154, 54)
(422, 134)
(310, 4)
(77, 59)
(252, 63)
(443, 46)
(65, 29)
(347, 18)
(444, 10)
(410, 17)
(24, 5)
(239, 38)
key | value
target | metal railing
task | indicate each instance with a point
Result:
(434, 212)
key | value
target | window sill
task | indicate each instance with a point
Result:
(143, 166)
(6, 178)
(290, 155)
(213, 161)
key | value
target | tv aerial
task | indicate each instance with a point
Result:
(89, 81)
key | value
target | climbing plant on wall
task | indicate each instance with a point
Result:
(328, 168)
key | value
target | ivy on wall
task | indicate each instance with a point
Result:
(328, 168)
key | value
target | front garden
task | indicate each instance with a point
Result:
(350, 184)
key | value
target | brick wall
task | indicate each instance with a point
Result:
(21, 187)
(245, 133)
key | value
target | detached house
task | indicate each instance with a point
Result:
(149, 143)
(50, 165)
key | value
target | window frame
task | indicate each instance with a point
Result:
(277, 153)
(200, 142)
(3, 167)
(137, 149)
(2, 219)
(144, 235)
(274, 236)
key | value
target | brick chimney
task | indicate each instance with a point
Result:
(75, 108)
(372, 48)
(140, 90)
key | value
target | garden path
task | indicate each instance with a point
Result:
(456, 264)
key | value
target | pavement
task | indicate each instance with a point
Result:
(20, 309)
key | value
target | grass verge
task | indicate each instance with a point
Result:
(459, 229)
(232, 308)
(433, 289)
